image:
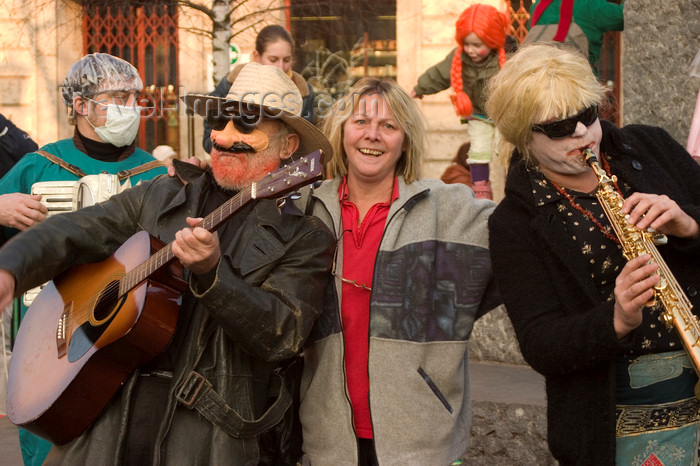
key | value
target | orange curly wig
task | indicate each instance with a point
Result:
(491, 26)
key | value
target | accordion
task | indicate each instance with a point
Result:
(68, 196)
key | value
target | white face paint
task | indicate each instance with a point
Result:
(563, 157)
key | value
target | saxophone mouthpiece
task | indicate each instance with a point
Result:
(589, 157)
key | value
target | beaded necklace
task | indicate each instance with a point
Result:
(588, 213)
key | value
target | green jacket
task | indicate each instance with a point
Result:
(33, 168)
(594, 17)
(474, 78)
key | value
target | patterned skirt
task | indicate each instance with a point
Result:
(658, 416)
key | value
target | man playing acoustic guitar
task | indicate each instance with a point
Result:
(222, 392)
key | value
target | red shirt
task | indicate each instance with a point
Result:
(360, 246)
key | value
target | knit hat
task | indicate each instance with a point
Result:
(264, 91)
(491, 26)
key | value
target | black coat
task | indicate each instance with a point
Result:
(14, 144)
(565, 332)
(243, 329)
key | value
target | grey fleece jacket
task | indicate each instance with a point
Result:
(432, 279)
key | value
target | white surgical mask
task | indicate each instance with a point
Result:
(121, 125)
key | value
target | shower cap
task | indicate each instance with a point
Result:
(96, 73)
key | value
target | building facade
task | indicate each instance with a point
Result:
(336, 43)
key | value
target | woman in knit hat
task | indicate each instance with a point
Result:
(481, 38)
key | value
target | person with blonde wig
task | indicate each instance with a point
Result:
(481, 33)
(386, 377)
(620, 387)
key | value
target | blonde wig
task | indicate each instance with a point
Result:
(540, 83)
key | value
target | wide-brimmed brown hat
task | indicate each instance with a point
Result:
(264, 91)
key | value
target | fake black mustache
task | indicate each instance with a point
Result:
(236, 147)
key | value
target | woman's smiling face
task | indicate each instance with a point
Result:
(372, 139)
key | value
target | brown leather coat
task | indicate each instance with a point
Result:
(243, 330)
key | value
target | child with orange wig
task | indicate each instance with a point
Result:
(481, 38)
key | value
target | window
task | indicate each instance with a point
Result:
(338, 42)
(146, 36)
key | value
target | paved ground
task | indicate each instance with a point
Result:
(506, 383)
(9, 444)
(490, 382)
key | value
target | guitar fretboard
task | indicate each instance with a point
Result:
(164, 255)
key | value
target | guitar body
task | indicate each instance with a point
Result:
(79, 341)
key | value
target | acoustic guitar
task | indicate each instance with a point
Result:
(94, 324)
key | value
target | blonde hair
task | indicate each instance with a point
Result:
(407, 115)
(540, 82)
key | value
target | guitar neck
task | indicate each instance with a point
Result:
(286, 179)
(164, 255)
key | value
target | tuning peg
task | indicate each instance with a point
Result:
(295, 196)
(281, 202)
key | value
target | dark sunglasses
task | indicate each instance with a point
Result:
(243, 123)
(564, 128)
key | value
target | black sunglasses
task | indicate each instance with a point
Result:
(243, 123)
(564, 128)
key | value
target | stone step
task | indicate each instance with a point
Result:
(509, 418)
(506, 383)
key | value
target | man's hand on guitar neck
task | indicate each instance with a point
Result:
(7, 288)
(197, 248)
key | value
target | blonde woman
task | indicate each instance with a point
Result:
(386, 378)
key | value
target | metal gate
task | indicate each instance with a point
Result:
(147, 37)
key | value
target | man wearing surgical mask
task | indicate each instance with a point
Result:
(100, 93)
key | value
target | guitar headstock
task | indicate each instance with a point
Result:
(300, 172)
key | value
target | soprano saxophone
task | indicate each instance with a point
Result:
(635, 242)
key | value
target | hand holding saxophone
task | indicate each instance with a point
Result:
(634, 287)
(660, 213)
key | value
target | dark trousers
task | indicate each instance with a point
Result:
(367, 454)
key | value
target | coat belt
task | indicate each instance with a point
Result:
(197, 393)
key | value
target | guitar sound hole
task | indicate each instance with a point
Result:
(108, 302)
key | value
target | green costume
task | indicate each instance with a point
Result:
(594, 17)
(33, 168)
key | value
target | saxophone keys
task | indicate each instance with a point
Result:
(661, 285)
(659, 239)
(652, 302)
(667, 319)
